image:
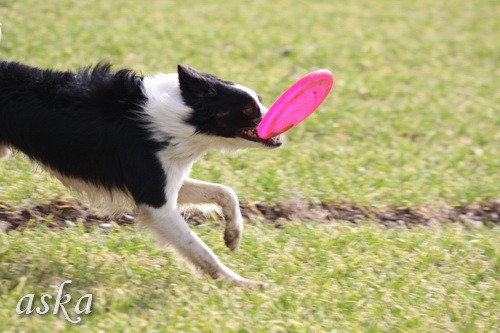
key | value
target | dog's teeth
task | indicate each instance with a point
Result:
(250, 132)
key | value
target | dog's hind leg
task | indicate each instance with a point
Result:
(4, 151)
(167, 224)
(198, 192)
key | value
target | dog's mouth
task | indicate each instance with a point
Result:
(250, 134)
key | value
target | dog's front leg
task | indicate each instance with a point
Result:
(198, 192)
(170, 228)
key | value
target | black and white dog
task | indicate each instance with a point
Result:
(131, 139)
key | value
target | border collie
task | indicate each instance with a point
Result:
(132, 140)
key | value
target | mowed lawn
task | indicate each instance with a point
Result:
(414, 119)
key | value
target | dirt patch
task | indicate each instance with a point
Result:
(474, 215)
(57, 214)
(61, 213)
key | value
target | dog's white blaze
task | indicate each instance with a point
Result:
(253, 94)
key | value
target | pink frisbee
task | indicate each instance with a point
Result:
(296, 103)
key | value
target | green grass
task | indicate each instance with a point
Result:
(413, 119)
(414, 116)
(322, 278)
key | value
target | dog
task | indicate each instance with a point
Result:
(130, 141)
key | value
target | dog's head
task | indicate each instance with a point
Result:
(223, 109)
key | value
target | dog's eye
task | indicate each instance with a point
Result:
(251, 112)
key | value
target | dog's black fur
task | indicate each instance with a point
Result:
(86, 125)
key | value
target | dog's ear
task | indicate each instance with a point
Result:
(194, 83)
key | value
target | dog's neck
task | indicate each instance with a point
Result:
(165, 108)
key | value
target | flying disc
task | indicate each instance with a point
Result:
(296, 103)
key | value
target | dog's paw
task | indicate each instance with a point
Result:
(232, 238)
(234, 230)
(233, 233)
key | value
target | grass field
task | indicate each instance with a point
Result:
(361, 278)
(414, 119)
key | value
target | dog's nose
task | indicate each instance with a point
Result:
(257, 120)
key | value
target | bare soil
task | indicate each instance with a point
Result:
(62, 213)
